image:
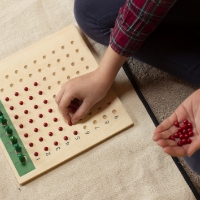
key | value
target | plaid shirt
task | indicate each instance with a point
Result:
(135, 21)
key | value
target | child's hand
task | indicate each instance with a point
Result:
(78, 95)
(190, 110)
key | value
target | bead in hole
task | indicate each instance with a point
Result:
(104, 116)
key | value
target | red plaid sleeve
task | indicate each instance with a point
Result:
(135, 21)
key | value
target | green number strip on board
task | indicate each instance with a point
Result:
(21, 167)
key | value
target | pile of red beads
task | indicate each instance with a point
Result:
(183, 134)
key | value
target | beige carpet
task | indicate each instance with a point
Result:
(129, 165)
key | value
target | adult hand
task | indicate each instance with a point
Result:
(190, 110)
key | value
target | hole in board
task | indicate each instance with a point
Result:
(104, 116)
(30, 75)
(67, 55)
(54, 73)
(6, 76)
(49, 65)
(87, 67)
(114, 111)
(58, 60)
(82, 59)
(11, 85)
(95, 121)
(16, 71)
(20, 80)
(84, 127)
(2, 89)
(62, 47)
(58, 82)
(25, 66)
(77, 72)
(72, 64)
(54, 96)
(72, 42)
(49, 87)
(53, 52)
(44, 79)
(35, 61)
(77, 50)
(68, 77)
(44, 57)
(63, 68)
(39, 70)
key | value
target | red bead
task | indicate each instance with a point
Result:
(185, 126)
(50, 133)
(16, 94)
(55, 119)
(70, 123)
(190, 134)
(21, 126)
(181, 136)
(184, 141)
(189, 140)
(75, 132)
(55, 143)
(35, 129)
(36, 154)
(179, 143)
(189, 129)
(184, 131)
(7, 99)
(176, 135)
(189, 125)
(31, 97)
(40, 92)
(46, 148)
(26, 88)
(60, 128)
(185, 121)
(176, 124)
(30, 120)
(11, 108)
(35, 106)
(26, 111)
(35, 83)
(40, 139)
(16, 117)
(65, 138)
(31, 144)
(186, 136)
(171, 137)
(25, 135)
(45, 101)
(50, 110)
(180, 129)
(45, 124)
(40, 115)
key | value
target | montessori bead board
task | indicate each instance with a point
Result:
(34, 135)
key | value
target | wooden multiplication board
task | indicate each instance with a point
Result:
(29, 83)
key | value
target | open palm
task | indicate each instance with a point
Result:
(190, 110)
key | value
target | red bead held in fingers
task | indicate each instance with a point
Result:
(50, 110)
(181, 136)
(41, 139)
(46, 148)
(36, 154)
(45, 101)
(45, 124)
(190, 134)
(50, 134)
(184, 141)
(7, 99)
(179, 143)
(31, 144)
(25, 135)
(21, 102)
(189, 129)
(185, 126)
(189, 140)
(16, 116)
(56, 143)
(189, 125)
(26, 88)
(176, 124)
(171, 137)
(180, 129)
(11, 107)
(186, 136)
(16, 94)
(185, 121)
(184, 131)
(21, 126)
(35, 129)
(70, 123)
(176, 135)
(36, 106)
(65, 138)
(30, 97)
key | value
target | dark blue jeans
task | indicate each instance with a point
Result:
(174, 46)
